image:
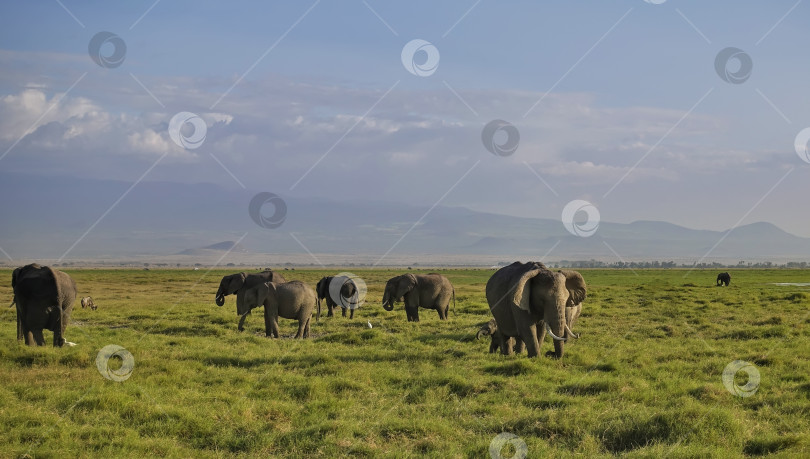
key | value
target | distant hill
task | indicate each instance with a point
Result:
(225, 246)
(171, 219)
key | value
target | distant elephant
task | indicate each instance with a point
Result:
(239, 282)
(290, 300)
(44, 298)
(723, 279)
(522, 296)
(577, 289)
(87, 302)
(491, 329)
(338, 291)
(428, 291)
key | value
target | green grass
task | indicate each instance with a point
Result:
(644, 380)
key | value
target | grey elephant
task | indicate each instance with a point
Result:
(87, 302)
(496, 338)
(338, 291)
(428, 291)
(44, 297)
(523, 296)
(239, 282)
(723, 279)
(290, 300)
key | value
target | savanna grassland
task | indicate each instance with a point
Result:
(644, 380)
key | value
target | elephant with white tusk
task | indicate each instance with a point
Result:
(527, 300)
(238, 283)
(428, 291)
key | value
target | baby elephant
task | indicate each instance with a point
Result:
(491, 329)
(290, 300)
(88, 302)
(723, 279)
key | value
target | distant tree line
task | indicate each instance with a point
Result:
(672, 264)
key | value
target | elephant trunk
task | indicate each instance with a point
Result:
(220, 298)
(481, 332)
(388, 301)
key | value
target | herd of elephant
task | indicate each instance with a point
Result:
(527, 300)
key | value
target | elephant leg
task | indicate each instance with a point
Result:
(38, 338)
(519, 345)
(270, 322)
(527, 331)
(494, 345)
(273, 331)
(302, 324)
(351, 313)
(541, 334)
(241, 326)
(306, 327)
(344, 312)
(330, 308)
(442, 314)
(506, 346)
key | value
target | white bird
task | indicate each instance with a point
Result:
(69, 343)
(369, 324)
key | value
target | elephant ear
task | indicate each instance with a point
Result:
(14, 277)
(254, 297)
(576, 287)
(405, 284)
(237, 281)
(322, 288)
(521, 287)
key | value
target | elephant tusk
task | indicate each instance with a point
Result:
(568, 329)
(548, 329)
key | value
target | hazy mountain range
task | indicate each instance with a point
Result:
(41, 218)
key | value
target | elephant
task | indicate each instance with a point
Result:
(338, 291)
(290, 300)
(723, 279)
(491, 329)
(522, 296)
(44, 297)
(428, 291)
(239, 282)
(87, 302)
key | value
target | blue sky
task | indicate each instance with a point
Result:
(619, 81)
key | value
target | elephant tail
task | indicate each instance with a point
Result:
(318, 317)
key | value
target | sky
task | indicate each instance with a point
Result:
(630, 105)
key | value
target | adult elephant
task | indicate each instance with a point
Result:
(44, 298)
(428, 291)
(522, 296)
(338, 291)
(723, 279)
(290, 300)
(239, 282)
